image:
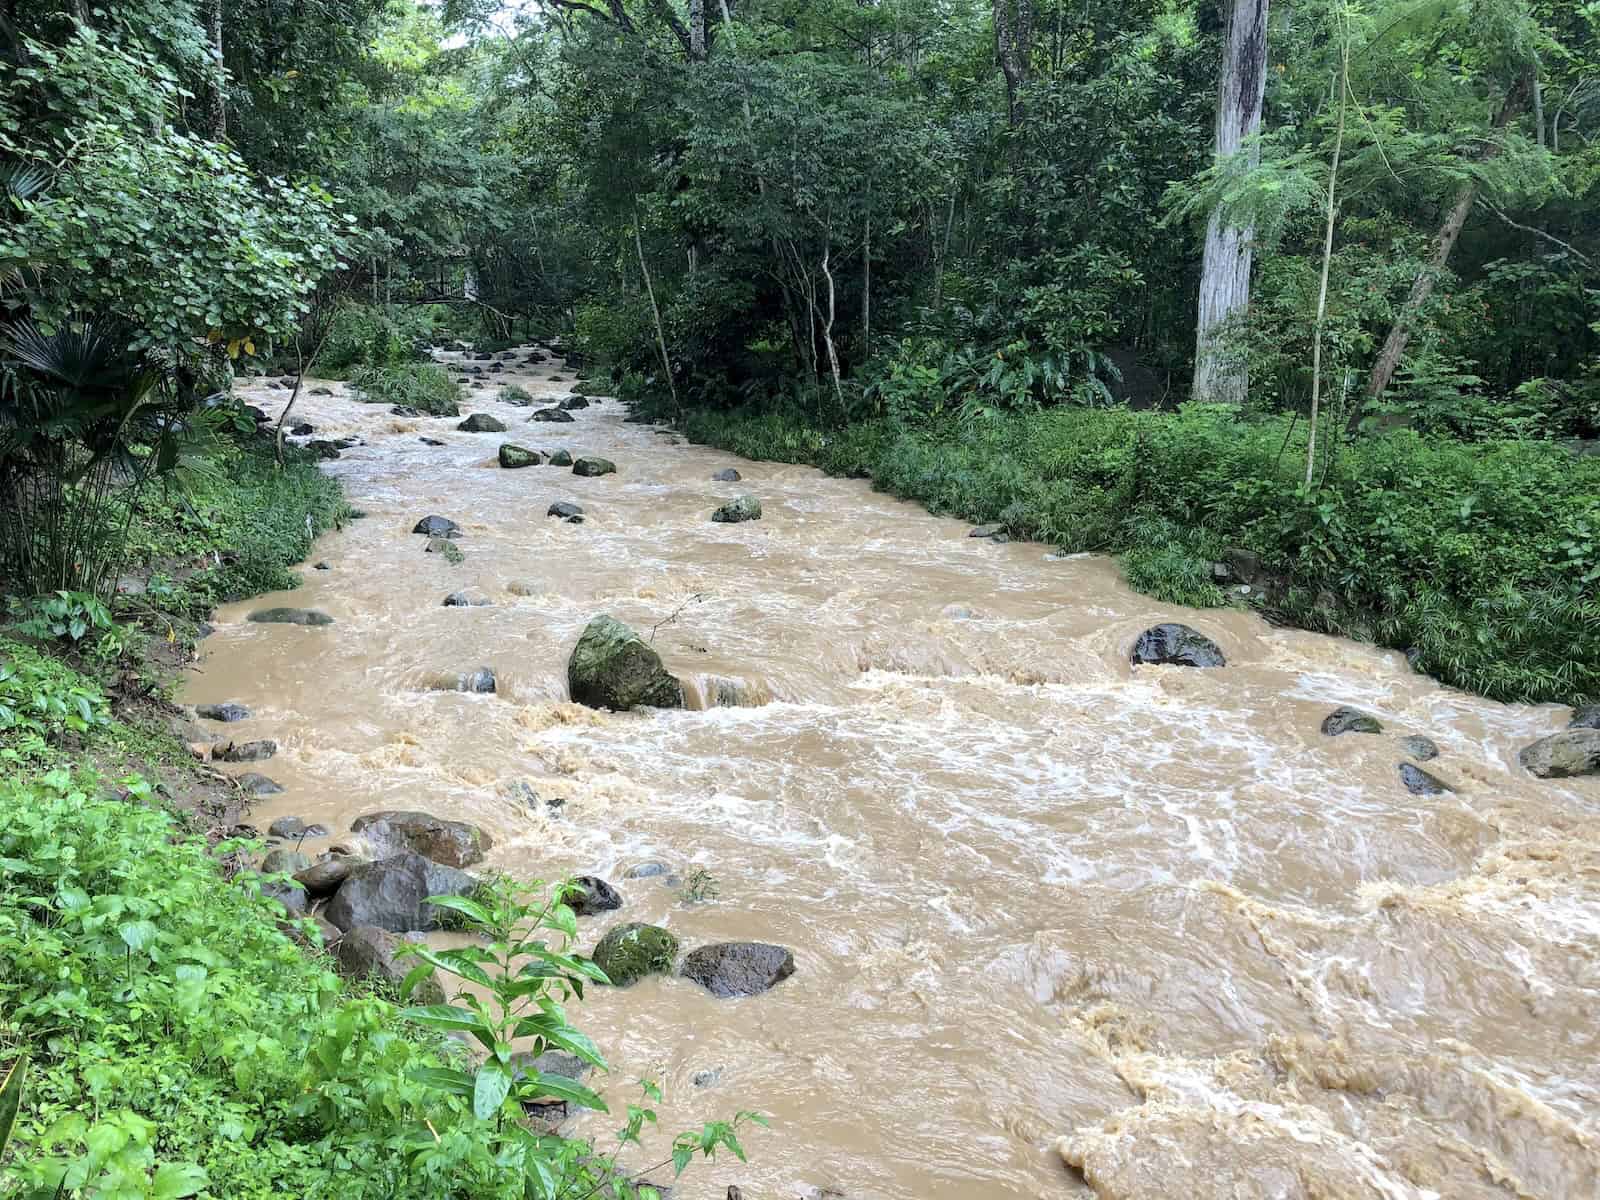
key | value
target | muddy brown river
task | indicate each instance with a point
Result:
(1064, 927)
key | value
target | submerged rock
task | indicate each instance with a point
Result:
(627, 953)
(482, 423)
(726, 475)
(555, 415)
(1420, 748)
(742, 508)
(1176, 645)
(323, 449)
(1420, 783)
(253, 784)
(442, 546)
(566, 510)
(589, 894)
(368, 952)
(993, 533)
(560, 458)
(1565, 755)
(394, 831)
(647, 870)
(290, 616)
(1349, 720)
(243, 752)
(571, 403)
(405, 410)
(1587, 717)
(612, 667)
(594, 467)
(467, 600)
(428, 441)
(221, 712)
(738, 968)
(392, 894)
(512, 457)
(439, 527)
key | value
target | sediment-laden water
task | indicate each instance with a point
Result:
(1045, 906)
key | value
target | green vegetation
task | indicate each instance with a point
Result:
(427, 389)
(515, 394)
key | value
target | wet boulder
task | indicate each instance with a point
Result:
(1564, 755)
(405, 410)
(321, 391)
(428, 441)
(1421, 783)
(323, 449)
(294, 827)
(1349, 720)
(322, 878)
(467, 600)
(284, 862)
(612, 667)
(368, 952)
(742, 508)
(253, 784)
(738, 968)
(992, 533)
(587, 895)
(393, 893)
(482, 423)
(512, 457)
(560, 458)
(290, 616)
(726, 475)
(1176, 645)
(301, 430)
(1587, 717)
(593, 467)
(440, 527)
(555, 415)
(453, 843)
(226, 713)
(627, 953)
(444, 546)
(573, 403)
(1423, 749)
(244, 752)
(566, 510)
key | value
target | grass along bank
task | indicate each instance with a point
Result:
(1481, 561)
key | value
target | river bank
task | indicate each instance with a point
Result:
(1033, 892)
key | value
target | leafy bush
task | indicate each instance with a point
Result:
(369, 335)
(515, 394)
(424, 387)
(41, 701)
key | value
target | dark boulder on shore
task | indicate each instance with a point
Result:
(613, 667)
(453, 843)
(369, 952)
(322, 878)
(1176, 645)
(1350, 720)
(393, 893)
(253, 785)
(1565, 755)
(738, 968)
(290, 616)
(627, 953)
(294, 827)
(441, 527)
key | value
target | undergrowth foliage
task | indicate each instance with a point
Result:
(426, 388)
(1480, 560)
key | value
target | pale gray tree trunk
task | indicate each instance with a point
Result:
(697, 30)
(1013, 45)
(217, 98)
(1225, 269)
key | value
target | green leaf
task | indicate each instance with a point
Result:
(10, 1100)
(136, 935)
(566, 1089)
(452, 1017)
(176, 1180)
(490, 1090)
(444, 1079)
(467, 908)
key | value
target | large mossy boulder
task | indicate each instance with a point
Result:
(513, 456)
(1176, 645)
(594, 467)
(1350, 720)
(1564, 755)
(613, 667)
(290, 616)
(482, 423)
(437, 527)
(738, 968)
(629, 952)
(742, 508)
(454, 843)
(393, 894)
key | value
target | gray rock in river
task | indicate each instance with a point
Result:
(368, 952)
(1350, 720)
(253, 784)
(612, 667)
(647, 870)
(994, 533)
(323, 877)
(243, 752)
(1420, 783)
(554, 415)
(592, 467)
(566, 510)
(1176, 645)
(627, 953)
(587, 895)
(1564, 755)
(221, 712)
(428, 441)
(572, 403)
(1587, 717)
(1423, 749)
(482, 423)
(726, 475)
(738, 968)
(454, 843)
(512, 457)
(560, 458)
(393, 894)
(290, 616)
(741, 508)
(284, 862)
(467, 600)
(294, 827)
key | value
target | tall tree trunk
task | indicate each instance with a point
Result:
(217, 96)
(661, 336)
(697, 30)
(1395, 346)
(1327, 260)
(1225, 269)
(1013, 45)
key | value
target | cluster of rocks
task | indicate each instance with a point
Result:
(633, 951)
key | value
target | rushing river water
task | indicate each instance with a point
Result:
(1045, 906)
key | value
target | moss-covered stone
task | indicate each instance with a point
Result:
(612, 667)
(594, 466)
(512, 456)
(629, 952)
(742, 508)
(561, 458)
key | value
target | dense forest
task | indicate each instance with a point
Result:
(1295, 310)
